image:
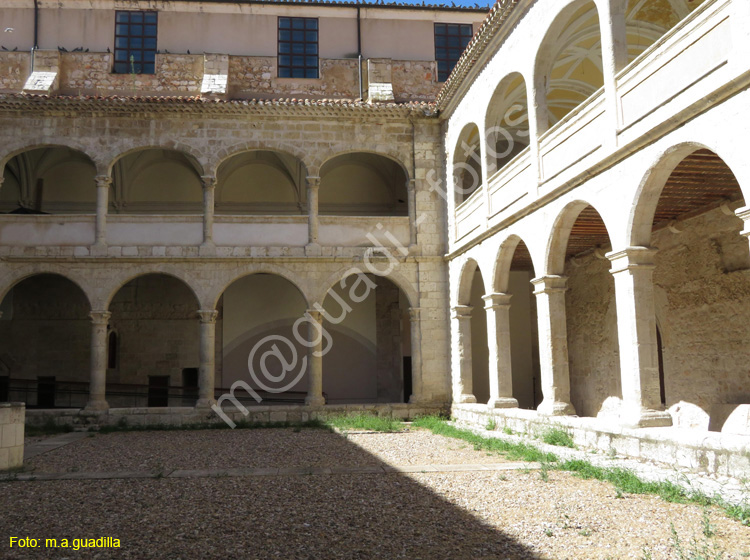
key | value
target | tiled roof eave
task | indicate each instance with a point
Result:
(495, 19)
(292, 107)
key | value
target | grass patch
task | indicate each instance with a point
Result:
(623, 480)
(513, 451)
(366, 422)
(556, 436)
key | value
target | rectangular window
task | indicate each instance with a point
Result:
(298, 47)
(450, 41)
(135, 42)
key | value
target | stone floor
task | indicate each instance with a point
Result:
(280, 493)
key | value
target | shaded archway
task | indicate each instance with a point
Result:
(701, 286)
(648, 20)
(155, 318)
(467, 163)
(569, 65)
(156, 181)
(514, 272)
(577, 252)
(362, 184)
(49, 180)
(261, 182)
(366, 317)
(257, 312)
(507, 123)
(45, 335)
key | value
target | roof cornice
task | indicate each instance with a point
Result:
(473, 60)
(330, 108)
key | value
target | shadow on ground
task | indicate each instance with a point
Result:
(301, 516)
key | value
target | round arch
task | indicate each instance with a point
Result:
(465, 280)
(125, 279)
(68, 143)
(643, 207)
(17, 276)
(503, 262)
(230, 152)
(506, 122)
(395, 277)
(192, 156)
(561, 232)
(266, 269)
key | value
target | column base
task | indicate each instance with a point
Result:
(96, 406)
(207, 249)
(98, 250)
(645, 418)
(314, 400)
(502, 402)
(205, 403)
(555, 408)
(466, 399)
(313, 250)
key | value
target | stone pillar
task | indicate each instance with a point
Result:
(313, 186)
(315, 361)
(98, 383)
(463, 390)
(411, 192)
(103, 183)
(633, 270)
(497, 307)
(744, 215)
(1, 181)
(207, 352)
(208, 246)
(536, 99)
(614, 57)
(553, 345)
(417, 384)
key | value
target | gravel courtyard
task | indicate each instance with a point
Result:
(313, 494)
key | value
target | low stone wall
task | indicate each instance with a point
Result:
(700, 451)
(183, 416)
(12, 416)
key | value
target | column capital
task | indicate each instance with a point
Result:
(461, 311)
(415, 313)
(744, 215)
(208, 181)
(100, 317)
(208, 316)
(103, 181)
(550, 284)
(497, 300)
(313, 181)
(632, 258)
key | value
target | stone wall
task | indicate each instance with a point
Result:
(702, 289)
(593, 348)
(12, 419)
(14, 69)
(415, 80)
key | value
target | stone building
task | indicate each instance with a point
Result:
(559, 209)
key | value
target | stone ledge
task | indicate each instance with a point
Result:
(696, 450)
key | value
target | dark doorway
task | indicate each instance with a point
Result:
(4, 389)
(158, 390)
(45, 392)
(407, 378)
(660, 350)
(189, 386)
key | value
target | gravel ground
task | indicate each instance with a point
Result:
(471, 515)
(203, 449)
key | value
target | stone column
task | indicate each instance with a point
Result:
(417, 385)
(614, 58)
(103, 183)
(497, 307)
(411, 192)
(744, 215)
(98, 383)
(553, 345)
(633, 270)
(536, 99)
(1, 181)
(315, 361)
(207, 353)
(313, 186)
(208, 246)
(463, 390)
